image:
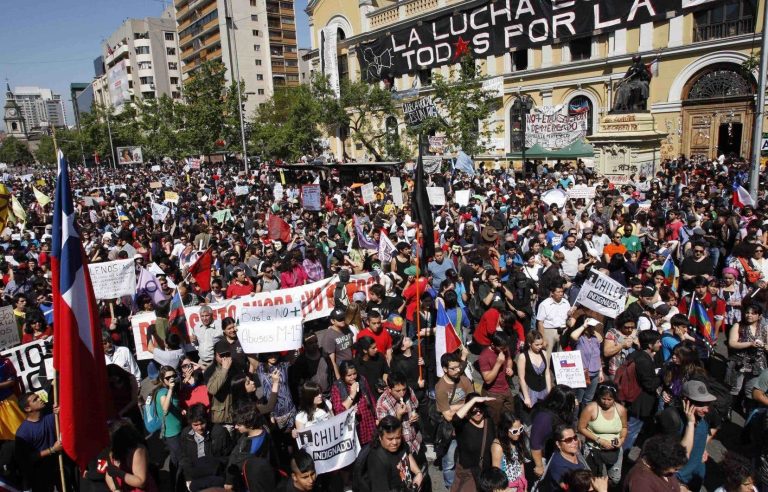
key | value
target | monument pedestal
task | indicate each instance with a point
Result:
(626, 144)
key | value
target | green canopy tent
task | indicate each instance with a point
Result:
(578, 148)
(535, 152)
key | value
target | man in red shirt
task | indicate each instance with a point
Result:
(241, 285)
(495, 364)
(376, 331)
(673, 227)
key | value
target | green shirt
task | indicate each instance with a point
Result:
(172, 421)
(632, 243)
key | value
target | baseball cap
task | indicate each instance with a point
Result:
(698, 392)
(358, 296)
(547, 253)
(339, 314)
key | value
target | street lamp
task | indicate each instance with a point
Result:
(522, 106)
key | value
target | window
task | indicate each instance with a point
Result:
(142, 50)
(288, 20)
(728, 18)
(519, 60)
(254, 3)
(170, 51)
(581, 105)
(259, 76)
(425, 77)
(169, 36)
(343, 67)
(145, 65)
(176, 95)
(255, 32)
(289, 35)
(173, 66)
(258, 63)
(256, 47)
(291, 63)
(292, 77)
(260, 92)
(276, 51)
(147, 80)
(392, 134)
(174, 80)
(581, 48)
(274, 33)
(148, 95)
(254, 18)
(141, 35)
(515, 130)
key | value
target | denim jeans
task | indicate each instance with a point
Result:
(634, 426)
(714, 253)
(586, 395)
(449, 465)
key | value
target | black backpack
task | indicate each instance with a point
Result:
(360, 478)
(722, 405)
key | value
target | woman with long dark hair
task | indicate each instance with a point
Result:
(352, 389)
(747, 342)
(681, 367)
(509, 451)
(557, 409)
(313, 407)
(533, 373)
(128, 466)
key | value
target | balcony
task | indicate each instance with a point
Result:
(722, 30)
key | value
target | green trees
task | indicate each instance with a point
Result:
(14, 151)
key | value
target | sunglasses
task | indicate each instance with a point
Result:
(476, 410)
(514, 432)
(169, 378)
(570, 440)
(186, 366)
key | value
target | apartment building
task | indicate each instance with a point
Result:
(41, 108)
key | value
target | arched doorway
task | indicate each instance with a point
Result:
(718, 111)
(580, 105)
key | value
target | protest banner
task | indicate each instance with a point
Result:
(462, 197)
(155, 185)
(368, 194)
(436, 145)
(416, 112)
(172, 197)
(270, 328)
(436, 195)
(432, 163)
(159, 212)
(155, 168)
(9, 332)
(602, 294)
(397, 191)
(494, 86)
(241, 190)
(332, 443)
(113, 279)
(29, 361)
(581, 191)
(551, 129)
(222, 216)
(316, 299)
(139, 324)
(311, 197)
(569, 369)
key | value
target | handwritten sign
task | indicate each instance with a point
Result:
(155, 185)
(436, 195)
(113, 279)
(29, 361)
(241, 190)
(397, 191)
(569, 369)
(270, 328)
(368, 194)
(602, 294)
(9, 332)
(172, 197)
(311, 197)
(332, 443)
(416, 112)
(581, 191)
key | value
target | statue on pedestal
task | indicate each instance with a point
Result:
(632, 92)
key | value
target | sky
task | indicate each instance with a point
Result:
(52, 43)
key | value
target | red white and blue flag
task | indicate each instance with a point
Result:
(741, 197)
(446, 339)
(78, 354)
(565, 364)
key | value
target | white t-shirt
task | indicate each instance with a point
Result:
(320, 415)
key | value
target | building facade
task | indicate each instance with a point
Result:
(140, 61)
(701, 96)
(81, 96)
(40, 108)
(254, 39)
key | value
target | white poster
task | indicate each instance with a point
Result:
(581, 191)
(155, 168)
(462, 197)
(494, 86)
(602, 294)
(329, 57)
(368, 194)
(159, 212)
(9, 332)
(332, 443)
(241, 190)
(139, 324)
(436, 195)
(311, 197)
(130, 155)
(397, 191)
(113, 279)
(553, 129)
(569, 369)
(119, 90)
(29, 361)
(270, 328)
(432, 163)
(277, 192)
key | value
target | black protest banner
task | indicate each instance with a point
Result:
(416, 112)
(483, 28)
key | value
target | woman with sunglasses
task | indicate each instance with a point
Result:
(509, 451)
(474, 436)
(566, 457)
(603, 423)
(167, 404)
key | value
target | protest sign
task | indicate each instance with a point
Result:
(581, 191)
(172, 197)
(436, 145)
(9, 332)
(432, 163)
(159, 212)
(222, 216)
(555, 197)
(155, 168)
(332, 443)
(397, 191)
(494, 86)
(155, 185)
(569, 369)
(436, 195)
(416, 112)
(29, 361)
(462, 197)
(277, 191)
(368, 194)
(311, 197)
(552, 129)
(602, 294)
(241, 190)
(139, 324)
(316, 299)
(270, 328)
(113, 279)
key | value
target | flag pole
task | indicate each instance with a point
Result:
(55, 384)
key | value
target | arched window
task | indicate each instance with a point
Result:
(720, 84)
(581, 105)
(391, 125)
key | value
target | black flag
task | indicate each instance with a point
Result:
(422, 214)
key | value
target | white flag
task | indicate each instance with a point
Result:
(386, 249)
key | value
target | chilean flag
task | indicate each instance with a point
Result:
(446, 339)
(78, 355)
(741, 197)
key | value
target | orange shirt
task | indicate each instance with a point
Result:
(612, 249)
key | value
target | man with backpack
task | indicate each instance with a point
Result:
(638, 385)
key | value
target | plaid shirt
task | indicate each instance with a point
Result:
(366, 420)
(314, 270)
(387, 405)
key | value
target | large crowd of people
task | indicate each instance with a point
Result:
(662, 380)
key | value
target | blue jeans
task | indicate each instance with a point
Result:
(714, 253)
(586, 395)
(449, 464)
(634, 426)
